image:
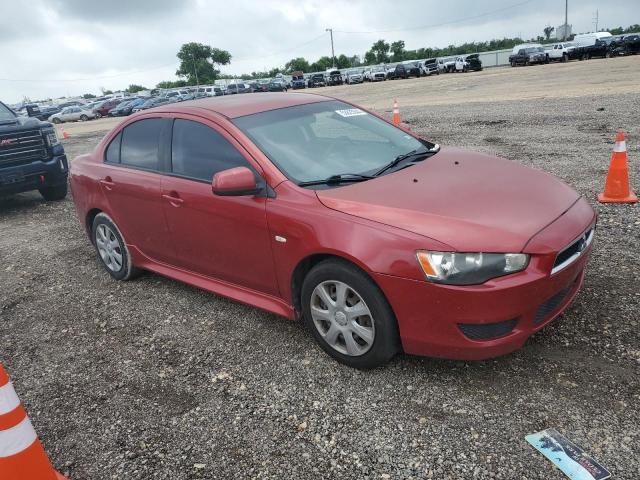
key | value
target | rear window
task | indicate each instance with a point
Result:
(140, 144)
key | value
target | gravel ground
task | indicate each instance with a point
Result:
(154, 379)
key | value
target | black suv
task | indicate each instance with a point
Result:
(335, 78)
(316, 80)
(399, 72)
(31, 157)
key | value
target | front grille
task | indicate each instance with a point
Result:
(573, 251)
(487, 331)
(551, 305)
(22, 147)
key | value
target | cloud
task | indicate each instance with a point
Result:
(53, 48)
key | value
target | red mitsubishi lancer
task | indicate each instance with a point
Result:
(314, 208)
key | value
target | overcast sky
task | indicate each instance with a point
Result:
(52, 48)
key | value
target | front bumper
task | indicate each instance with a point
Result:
(34, 175)
(432, 317)
(475, 322)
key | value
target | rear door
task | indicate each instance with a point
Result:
(131, 184)
(225, 237)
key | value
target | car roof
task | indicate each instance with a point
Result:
(240, 105)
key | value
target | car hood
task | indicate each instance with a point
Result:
(470, 201)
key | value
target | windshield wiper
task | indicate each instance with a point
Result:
(404, 156)
(335, 179)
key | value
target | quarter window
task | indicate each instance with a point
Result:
(140, 143)
(199, 152)
(113, 150)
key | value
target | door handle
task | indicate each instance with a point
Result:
(173, 199)
(107, 183)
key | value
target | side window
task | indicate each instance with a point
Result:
(112, 154)
(140, 144)
(199, 152)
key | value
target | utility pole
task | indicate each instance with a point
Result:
(333, 55)
(595, 19)
(566, 19)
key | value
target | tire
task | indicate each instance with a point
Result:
(377, 323)
(607, 55)
(98, 115)
(565, 58)
(83, 118)
(103, 233)
(55, 193)
(526, 63)
(56, 120)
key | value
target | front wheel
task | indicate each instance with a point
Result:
(348, 315)
(55, 193)
(56, 120)
(112, 249)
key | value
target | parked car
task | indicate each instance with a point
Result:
(72, 114)
(627, 45)
(125, 108)
(399, 71)
(473, 62)
(446, 66)
(316, 80)
(103, 109)
(345, 221)
(602, 48)
(430, 66)
(35, 111)
(235, 88)
(297, 80)
(413, 69)
(375, 74)
(528, 55)
(277, 85)
(563, 51)
(211, 91)
(72, 103)
(152, 102)
(353, 76)
(461, 65)
(31, 157)
(334, 77)
(174, 95)
(261, 86)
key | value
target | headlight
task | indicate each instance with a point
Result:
(51, 136)
(455, 268)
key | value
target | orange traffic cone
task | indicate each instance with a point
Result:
(616, 187)
(21, 454)
(396, 113)
(65, 135)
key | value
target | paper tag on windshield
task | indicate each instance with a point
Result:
(350, 112)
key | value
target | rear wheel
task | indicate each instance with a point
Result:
(348, 315)
(112, 249)
(83, 118)
(52, 194)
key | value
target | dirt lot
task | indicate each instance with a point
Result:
(155, 379)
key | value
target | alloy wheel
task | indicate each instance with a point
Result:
(109, 248)
(342, 318)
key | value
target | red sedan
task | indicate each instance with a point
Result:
(313, 208)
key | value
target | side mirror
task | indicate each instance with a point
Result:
(236, 181)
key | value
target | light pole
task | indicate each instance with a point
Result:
(566, 19)
(333, 55)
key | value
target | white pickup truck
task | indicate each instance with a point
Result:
(562, 52)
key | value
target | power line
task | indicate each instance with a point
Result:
(439, 24)
(88, 79)
(297, 47)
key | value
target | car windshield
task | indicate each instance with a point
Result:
(324, 139)
(6, 114)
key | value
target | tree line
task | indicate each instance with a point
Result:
(200, 64)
